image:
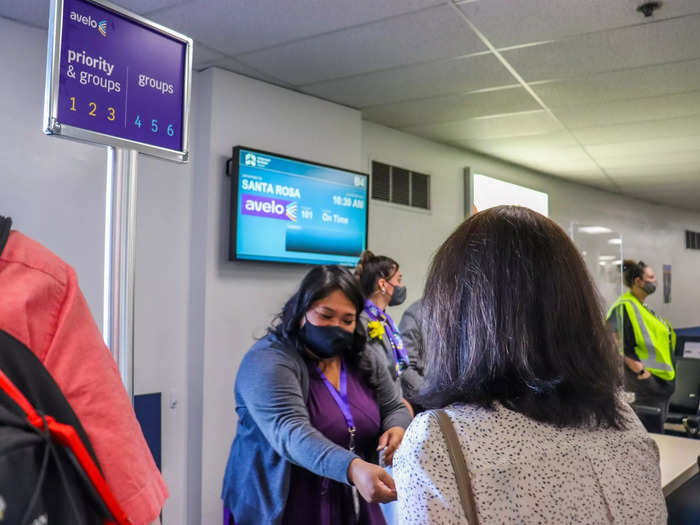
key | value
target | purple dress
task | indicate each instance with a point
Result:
(315, 500)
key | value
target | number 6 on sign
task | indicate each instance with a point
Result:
(154, 125)
(171, 131)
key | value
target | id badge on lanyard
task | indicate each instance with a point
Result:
(341, 399)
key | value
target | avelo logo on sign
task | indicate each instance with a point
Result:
(270, 208)
(101, 26)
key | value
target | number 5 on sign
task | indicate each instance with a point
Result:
(154, 125)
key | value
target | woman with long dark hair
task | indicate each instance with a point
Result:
(522, 364)
(313, 409)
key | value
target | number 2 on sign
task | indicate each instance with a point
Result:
(93, 108)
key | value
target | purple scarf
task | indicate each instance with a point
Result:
(375, 313)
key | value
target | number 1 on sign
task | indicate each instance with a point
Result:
(72, 104)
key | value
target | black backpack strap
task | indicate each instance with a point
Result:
(5, 225)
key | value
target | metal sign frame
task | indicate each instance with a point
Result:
(51, 124)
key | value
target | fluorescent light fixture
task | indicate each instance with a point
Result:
(594, 230)
(603, 263)
(618, 261)
(607, 257)
(615, 241)
(584, 253)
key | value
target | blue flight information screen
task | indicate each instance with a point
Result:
(290, 210)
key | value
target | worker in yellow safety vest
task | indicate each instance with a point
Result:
(647, 340)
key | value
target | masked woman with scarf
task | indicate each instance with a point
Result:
(381, 281)
(313, 409)
(648, 341)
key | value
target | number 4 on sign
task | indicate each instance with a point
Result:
(138, 120)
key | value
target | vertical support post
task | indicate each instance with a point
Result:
(120, 222)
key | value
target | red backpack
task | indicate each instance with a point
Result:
(49, 473)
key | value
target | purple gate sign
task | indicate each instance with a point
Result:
(117, 79)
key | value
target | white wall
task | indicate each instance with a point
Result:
(42, 178)
(55, 191)
(240, 298)
(652, 233)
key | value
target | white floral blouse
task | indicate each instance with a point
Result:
(526, 472)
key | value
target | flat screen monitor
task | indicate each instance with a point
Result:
(285, 209)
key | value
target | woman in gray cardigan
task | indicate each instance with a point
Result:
(313, 409)
(381, 282)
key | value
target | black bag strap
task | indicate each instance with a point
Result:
(459, 465)
(5, 225)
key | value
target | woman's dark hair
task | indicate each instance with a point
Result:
(512, 316)
(631, 270)
(320, 282)
(370, 268)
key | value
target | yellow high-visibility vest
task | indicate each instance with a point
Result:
(654, 337)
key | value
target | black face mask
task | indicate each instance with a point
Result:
(399, 296)
(326, 341)
(649, 287)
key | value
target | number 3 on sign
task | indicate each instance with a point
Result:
(110, 113)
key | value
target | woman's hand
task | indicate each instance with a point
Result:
(645, 375)
(390, 441)
(373, 483)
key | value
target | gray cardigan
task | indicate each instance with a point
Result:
(413, 335)
(274, 431)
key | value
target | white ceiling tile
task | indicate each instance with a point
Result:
(204, 56)
(250, 25)
(659, 147)
(513, 125)
(626, 111)
(681, 195)
(640, 131)
(452, 107)
(415, 37)
(633, 157)
(36, 12)
(513, 22)
(665, 79)
(425, 80)
(147, 6)
(666, 41)
(665, 173)
(560, 140)
(231, 64)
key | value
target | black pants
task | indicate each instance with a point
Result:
(652, 391)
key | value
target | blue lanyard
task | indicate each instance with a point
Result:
(341, 399)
